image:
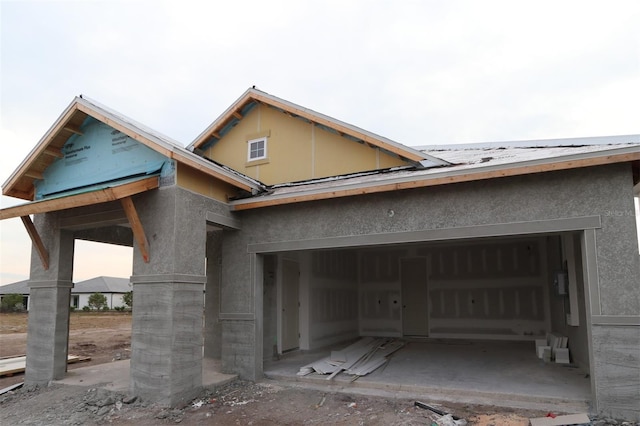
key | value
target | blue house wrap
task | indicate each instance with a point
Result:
(101, 155)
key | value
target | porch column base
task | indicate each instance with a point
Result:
(48, 331)
(166, 337)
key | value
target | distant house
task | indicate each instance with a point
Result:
(112, 287)
(20, 287)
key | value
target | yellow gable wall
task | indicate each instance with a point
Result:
(198, 182)
(296, 150)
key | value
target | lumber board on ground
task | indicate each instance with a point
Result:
(570, 419)
(10, 366)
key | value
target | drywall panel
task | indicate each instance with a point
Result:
(333, 297)
(380, 293)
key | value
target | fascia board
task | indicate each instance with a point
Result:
(201, 138)
(398, 182)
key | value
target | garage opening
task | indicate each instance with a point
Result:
(470, 311)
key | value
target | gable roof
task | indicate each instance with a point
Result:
(49, 148)
(243, 105)
(19, 287)
(469, 162)
(102, 285)
(93, 285)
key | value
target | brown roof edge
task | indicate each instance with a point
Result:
(80, 200)
(431, 180)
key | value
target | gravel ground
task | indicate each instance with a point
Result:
(243, 403)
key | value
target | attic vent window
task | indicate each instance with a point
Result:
(257, 149)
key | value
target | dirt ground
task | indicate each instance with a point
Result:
(103, 336)
(106, 337)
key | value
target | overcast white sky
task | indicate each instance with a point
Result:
(418, 72)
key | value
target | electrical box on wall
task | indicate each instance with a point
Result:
(561, 281)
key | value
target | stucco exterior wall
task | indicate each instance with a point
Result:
(597, 191)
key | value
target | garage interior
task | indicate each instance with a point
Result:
(470, 311)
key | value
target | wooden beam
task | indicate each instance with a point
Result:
(136, 227)
(33, 174)
(80, 200)
(425, 181)
(237, 115)
(37, 241)
(53, 152)
(74, 130)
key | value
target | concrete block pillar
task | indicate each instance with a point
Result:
(168, 298)
(50, 297)
(166, 359)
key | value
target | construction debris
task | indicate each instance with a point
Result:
(11, 388)
(445, 419)
(435, 410)
(553, 347)
(359, 359)
(570, 419)
(14, 365)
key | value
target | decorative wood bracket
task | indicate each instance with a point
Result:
(36, 240)
(136, 227)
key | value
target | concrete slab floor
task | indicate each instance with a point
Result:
(114, 376)
(478, 372)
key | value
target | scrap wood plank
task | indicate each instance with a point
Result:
(570, 419)
(10, 366)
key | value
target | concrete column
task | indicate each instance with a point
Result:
(166, 358)
(168, 298)
(212, 326)
(50, 296)
(242, 319)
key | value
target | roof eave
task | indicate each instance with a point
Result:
(443, 177)
(132, 129)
